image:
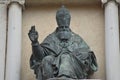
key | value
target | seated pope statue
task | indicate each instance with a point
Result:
(63, 53)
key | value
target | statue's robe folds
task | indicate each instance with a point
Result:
(72, 59)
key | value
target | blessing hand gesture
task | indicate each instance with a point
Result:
(33, 34)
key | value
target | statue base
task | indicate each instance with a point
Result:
(70, 79)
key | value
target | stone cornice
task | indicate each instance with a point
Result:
(60, 2)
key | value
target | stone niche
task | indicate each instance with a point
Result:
(92, 32)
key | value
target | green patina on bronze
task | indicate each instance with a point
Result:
(63, 54)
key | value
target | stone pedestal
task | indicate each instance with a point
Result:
(70, 79)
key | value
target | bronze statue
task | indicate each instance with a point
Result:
(63, 54)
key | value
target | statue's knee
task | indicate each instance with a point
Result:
(63, 56)
(48, 59)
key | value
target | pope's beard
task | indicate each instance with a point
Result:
(64, 35)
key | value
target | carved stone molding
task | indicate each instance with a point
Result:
(21, 2)
(106, 1)
(8, 2)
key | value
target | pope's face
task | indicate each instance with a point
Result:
(64, 28)
(64, 33)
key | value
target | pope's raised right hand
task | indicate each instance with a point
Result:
(33, 35)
